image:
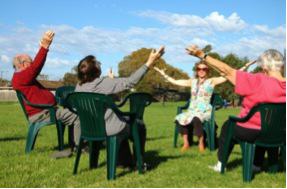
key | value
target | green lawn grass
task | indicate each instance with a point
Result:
(170, 167)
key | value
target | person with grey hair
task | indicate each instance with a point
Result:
(24, 80)
(255, 88)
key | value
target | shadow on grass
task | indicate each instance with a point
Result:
(156, 138)
(7, 139)
(154, 159)
(234, 163)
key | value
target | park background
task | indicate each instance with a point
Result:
(120, 34)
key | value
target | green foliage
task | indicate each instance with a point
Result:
(226, 90)
(257, 70)
(70, 78)
(170, 168)
(152, 79)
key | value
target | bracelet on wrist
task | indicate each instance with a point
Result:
(204, 57)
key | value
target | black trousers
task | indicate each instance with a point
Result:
(273, 154)
(125, 157)
(249, 135)
(195, 124)
(241, 133)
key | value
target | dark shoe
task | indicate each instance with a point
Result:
(146, 166)
(62, 154)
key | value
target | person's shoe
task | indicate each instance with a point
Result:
(217, 167)
(146, 166)
(184, 149)
(256, 169)
(62, 154)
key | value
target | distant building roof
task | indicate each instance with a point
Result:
(51, 84)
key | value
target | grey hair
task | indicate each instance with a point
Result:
(16, 61)
(271, 60)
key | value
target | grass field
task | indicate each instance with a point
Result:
(170, 168)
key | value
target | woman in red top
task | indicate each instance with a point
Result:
(255, 88)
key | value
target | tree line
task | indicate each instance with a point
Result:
(153, 82)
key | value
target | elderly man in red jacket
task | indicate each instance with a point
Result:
(24, 80)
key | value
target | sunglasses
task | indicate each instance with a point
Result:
(202, 69)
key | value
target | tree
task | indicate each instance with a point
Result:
(226, 90)
(152, 80)
(70, 78)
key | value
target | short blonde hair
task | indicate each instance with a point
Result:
(271, 60)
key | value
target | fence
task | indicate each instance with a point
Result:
(7, 94)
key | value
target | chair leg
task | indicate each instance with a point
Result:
(94, 149)
(79, 152)
(71, 136)
(175, 135)
(31, 137)
(60, 132)
(248, 151)
(112, 153)
(226, 146)
(138, 154)
(212, 136)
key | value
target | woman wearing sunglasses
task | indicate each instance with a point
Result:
(199, 108)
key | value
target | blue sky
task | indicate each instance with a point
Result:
(113, 29)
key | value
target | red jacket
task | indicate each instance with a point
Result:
(25, 81)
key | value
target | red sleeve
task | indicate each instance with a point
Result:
(31, 73)
(247, 83)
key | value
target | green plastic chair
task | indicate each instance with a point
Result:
(208, 126)
(35, 127)
(273, 134)
(61, 95)
(137, 103)
(91, 108)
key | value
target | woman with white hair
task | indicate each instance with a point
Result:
(255, 88)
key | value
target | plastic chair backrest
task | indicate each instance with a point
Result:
(273, 123)
(91, 109)
(62, 93)
(216, 101)
(138, 102)
(21, 100)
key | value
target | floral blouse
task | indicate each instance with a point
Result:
(199, 103)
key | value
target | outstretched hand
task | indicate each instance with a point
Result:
(162, 72)
(154, 55)
(111, 74)
(47, 39)
(195, 51)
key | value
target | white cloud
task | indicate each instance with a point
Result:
(220, 23)
(275, 32)
(71, 43)
(214, 21)
(4, 58)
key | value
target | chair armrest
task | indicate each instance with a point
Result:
(44, 106)
(181, 108)
(242, 119)
(122, 103)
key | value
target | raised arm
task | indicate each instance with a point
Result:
(35, 68)
(227, 71)
(221, 79)
(115, 85)
(181, 82)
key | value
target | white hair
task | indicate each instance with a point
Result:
(271, 60)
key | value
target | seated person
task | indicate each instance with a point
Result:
(255, 88)
(199, 109)
(24, 80)
(89, 72)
